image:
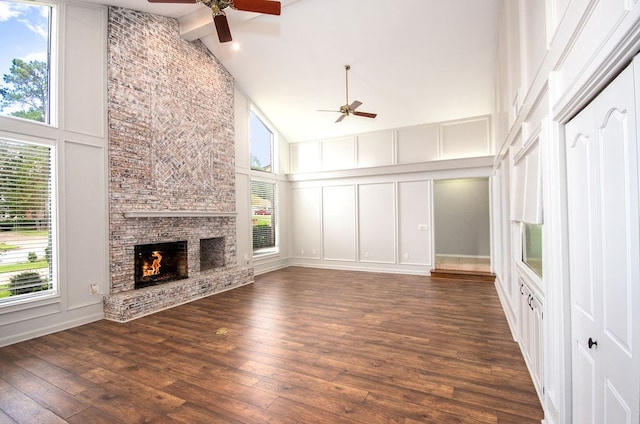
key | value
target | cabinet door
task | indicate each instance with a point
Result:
(525, 321)
(602, 189)
(531, 339)
(536, 348)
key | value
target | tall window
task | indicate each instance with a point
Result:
(263, 190)
(25, 60)
(25, 220)
(261, 139)
(263, 216)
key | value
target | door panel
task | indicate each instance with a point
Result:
(584, 385)
(616, 409)
(604, 239)
(616, 239)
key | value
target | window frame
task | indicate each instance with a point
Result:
(526, 260)
(275, 249)
(270, 177)
(51, 110)
(273, 142)
(17, 301)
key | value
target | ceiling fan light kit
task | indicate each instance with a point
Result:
(350, 109)
(217, 7)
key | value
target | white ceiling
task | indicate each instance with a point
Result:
(412, 61)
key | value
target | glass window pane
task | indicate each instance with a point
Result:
(532, 247)
(24, 62)
(263, 216)
(25, 220)
(261, 139)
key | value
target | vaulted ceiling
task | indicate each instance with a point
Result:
(412, 61)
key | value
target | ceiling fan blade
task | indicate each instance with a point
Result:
(341, 118)
(366, 114)
(327, 110)
(172, 1)
(355, 105)
(222, 27)
(259, 6)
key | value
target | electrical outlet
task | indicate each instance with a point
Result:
(94, 289)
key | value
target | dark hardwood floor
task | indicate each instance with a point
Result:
(297, 346)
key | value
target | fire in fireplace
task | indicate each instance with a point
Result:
(158, 263)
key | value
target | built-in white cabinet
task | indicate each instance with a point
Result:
(531, 337)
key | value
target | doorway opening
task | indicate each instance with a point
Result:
(462, 225)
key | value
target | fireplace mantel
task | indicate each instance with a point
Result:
(176, 214)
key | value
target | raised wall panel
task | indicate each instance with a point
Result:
(557, 11)
(505, 230)
(305, 157)
(514, 59)
(535, 36)
(338, 223)
(532, 125)
(414, 222)
(305, 222)
(244, 231)
(282, 151)
(417, 144)
(604, 18)
(85, 251)
(338, 153)
(85, 70)
(376, 222)
(375, 149)
(465, 139)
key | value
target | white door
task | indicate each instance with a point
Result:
(602, 187)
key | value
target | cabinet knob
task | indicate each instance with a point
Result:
(592, 343)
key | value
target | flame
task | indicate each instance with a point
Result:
(154, 268)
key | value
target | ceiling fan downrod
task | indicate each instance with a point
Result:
(346, 79)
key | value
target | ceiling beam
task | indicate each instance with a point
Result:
(197, 24)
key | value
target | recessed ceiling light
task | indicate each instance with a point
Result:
(235, 46)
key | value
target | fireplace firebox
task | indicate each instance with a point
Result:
(159, 263)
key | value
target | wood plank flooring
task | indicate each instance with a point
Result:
(298, 346)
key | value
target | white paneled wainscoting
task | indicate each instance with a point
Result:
(381, 221)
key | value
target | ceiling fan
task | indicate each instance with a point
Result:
(219, 17)
(350, 109)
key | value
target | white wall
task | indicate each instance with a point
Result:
(553, 57)
(461, 217)
(464, 138)
(80, 141)
(364, 202)
(379, 219)
(244, 174)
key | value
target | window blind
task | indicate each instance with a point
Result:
(526, 195)
(25, 219)
(263, 214)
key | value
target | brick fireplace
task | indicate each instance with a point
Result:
(171, 163)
